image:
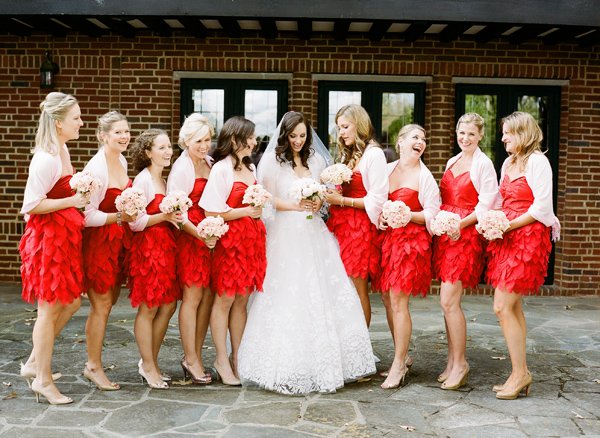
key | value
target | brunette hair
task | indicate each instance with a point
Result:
(365, 134)
(283, 150)
(54, 108)
(528, 134)
(143, 143)
(233, 137)
(106, 121)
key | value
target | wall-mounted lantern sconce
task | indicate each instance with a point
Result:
(48, 71)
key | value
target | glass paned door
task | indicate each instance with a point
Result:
(211, 103)
(397, 110)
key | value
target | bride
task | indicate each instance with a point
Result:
(306, 331)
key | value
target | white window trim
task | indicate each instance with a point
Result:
(225, 75)
(371, 78)
(510, 81)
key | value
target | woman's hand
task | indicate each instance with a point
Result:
(128, 218)
(210, 242)
(333, 197)
(455, 234)
(79, 200)
(254, 212)
(174, 218)
(382, 224)
(307, 205)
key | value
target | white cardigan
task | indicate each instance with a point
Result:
(484, 179)
(45, 170)
(143, 181)
(219, 186)
(372, 167)
(98, 167)
(538, 174)
(429, 193)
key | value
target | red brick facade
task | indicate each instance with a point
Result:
(136, 76)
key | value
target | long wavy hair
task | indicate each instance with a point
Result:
(283, 150)
(232, 138)
(143, 143)
(365, 134)
(529, 137)
(54, 108)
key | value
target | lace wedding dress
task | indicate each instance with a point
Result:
(306, 331)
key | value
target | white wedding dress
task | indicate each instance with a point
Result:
(306, 331)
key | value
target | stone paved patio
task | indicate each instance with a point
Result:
(563, 354)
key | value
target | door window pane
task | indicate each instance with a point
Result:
(486, 105)
(260, 106)
(338, 99)
(397, 110)
(537, 106)
(210, 103)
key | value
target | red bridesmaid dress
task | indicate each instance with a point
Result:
(357, 236)
(152, 276)
(50, 251)
(193, 256)
(239, 258)
(519, 261)
(106, 249)
(463, 259)
(406, 252)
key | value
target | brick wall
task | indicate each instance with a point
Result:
(136, 76)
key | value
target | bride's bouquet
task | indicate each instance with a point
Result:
(336, 174)
(176, 201)
(307, 188)
(445, 222)
(85, 183)
(212, 226)
(132, 201)
(256, 196)
(493, 225)
(395, 213)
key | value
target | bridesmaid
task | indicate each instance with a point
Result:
(50, 248)
(189, 174)
(239, 261)
(105, 240)
(406, 251)
(152, 277)
(469, 187)
(354, 213)
(518, 262)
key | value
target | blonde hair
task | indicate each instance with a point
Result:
(474, 119)
(54, 108)
(194, 124)
(528, 135)
(404, 132)
(106, 122)
(365, 134)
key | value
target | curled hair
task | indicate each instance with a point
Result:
(528, 134)
(106, 122)
(143, 143)
(365, 134)
(233, 137)
(54, 109)
(194, 125)
(474, 119)
(404, 132)
(283, 150)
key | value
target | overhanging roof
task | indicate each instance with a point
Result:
(516, 20)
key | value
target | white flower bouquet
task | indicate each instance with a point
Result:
(493, 225)
(445, 222)
(256, 196)
(176, 201)
(395, 213)
(336, 174)
(131, 201)
(307, 188)
(212, 226)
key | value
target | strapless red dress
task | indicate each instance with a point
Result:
(406, 252)
(193, 256)
(519, 261)
(50, 249)
(240, 257)
(152, 272)
(106, 249)
(463, 259)
(357, 236)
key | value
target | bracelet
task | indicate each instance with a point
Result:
(342, 204)
(119, 218)
(352, 202)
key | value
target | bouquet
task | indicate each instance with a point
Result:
(445, 222)
(493, 225)
(336, 175)
(395, 213)
(174, 202)
(132, 201)
(212, 226)
(307, 188)
(85, 183)
(256, 196)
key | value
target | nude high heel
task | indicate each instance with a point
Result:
(400, 381)
(462, 382)
(39, 390)
(511, 394)
(160, 385)
(88, 374)
(28, 374)
(234, 382)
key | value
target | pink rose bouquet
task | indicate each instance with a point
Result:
(395, 213)
(493, 225)
(176, 201)
(445, 222)
(132, 201)
(256, 196)
(307, 188)
(336, 174)
(85, 183)
(212, 226)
